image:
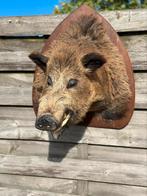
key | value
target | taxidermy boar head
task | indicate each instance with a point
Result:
(82, 71)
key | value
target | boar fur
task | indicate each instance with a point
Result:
(85, 54)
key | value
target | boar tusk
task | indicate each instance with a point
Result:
(58, 132)
(65, 120)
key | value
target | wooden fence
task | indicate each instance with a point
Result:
(85, 161)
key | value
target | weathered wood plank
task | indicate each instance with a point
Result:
(18, 123)
(137, 49)
(59, 150)
(16, 89)
(141, 90)
(123, 173)
(38, 184)
(40, 25)
(14, 52)
(57, 186)
(117, 155)
(40, 148)
(20, 192)
(103, 189)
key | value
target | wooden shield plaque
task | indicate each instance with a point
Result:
(92, 119)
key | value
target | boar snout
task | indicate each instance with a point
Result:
(46, 122)
(54, 124)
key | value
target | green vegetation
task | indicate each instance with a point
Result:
(67, 6)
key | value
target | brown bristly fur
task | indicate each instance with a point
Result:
(106, 90)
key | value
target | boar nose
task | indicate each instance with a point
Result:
(46, 122)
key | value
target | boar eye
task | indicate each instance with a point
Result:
(49, 81)
(72, 83)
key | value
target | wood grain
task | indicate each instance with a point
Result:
(14, 52)
(121, 173)
(39, 148)
(57, 150)
(18, 123)
(15, 183)
(102, 189)
(16, 89)
(20, 192)
(40, 25)
(38, 184)
(137, 49)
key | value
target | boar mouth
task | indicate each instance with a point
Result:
(57, 133)
(67, 119)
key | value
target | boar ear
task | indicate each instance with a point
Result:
(92, 61)
(39, 59)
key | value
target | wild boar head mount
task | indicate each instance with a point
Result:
(83, 75)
